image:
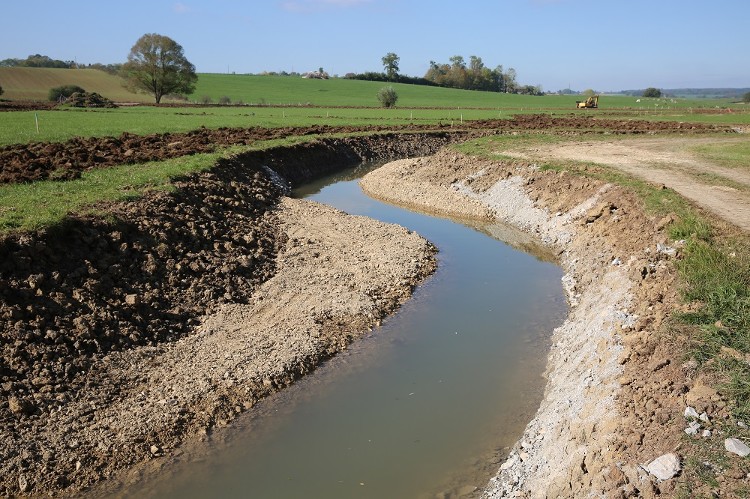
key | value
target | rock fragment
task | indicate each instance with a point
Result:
(665, 467)
(737, 446)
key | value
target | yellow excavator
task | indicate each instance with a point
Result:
(590, 103)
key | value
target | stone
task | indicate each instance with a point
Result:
(665, 467)
(693, 428)
(690, 412)
(737, 446)
(20, 406)
(131, 299)
(23, 484)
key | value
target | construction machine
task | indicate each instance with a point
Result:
(590, 103)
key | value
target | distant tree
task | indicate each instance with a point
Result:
(745, 98)
(588, 92)
(387, 97)
(390, 64)
(652, 92)
(1, 90)
(224, 100)
(59, 93)
(157, 65)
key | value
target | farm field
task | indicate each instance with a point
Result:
(60, 125)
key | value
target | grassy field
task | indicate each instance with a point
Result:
(35, 83)
(293, 91)
(59, 125)
(417, 104)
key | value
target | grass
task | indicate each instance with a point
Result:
(33, 206)
(727, 155)
(35, 83)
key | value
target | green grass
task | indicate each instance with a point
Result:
(55, 126)
(35, 83)
(727, 155)
(26, 207)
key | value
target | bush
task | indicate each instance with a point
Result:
(1, 90)
(387, 97)
(745, 98)
(206, 100)
(224, 100)
(652, 92)
(61, 93)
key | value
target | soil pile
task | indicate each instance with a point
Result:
(88, 99)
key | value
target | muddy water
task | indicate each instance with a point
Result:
(425, 405)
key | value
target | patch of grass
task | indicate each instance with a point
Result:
(32, 206)
(728, 155)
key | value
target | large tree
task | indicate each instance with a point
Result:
(157, 65)
(390, 64)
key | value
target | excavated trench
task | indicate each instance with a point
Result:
(141, 279)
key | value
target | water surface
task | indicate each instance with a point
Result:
(426, 404)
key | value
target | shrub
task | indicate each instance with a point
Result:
(1, 90)
(206, 100)
(745, 98)
(652, 92)
(387, 96)
(225, 100)
(60, 93)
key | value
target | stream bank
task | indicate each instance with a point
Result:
(112, 351)
(603, 409)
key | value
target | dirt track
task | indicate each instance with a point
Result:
(723, 191)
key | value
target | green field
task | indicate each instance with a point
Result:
(35, 83)
(275, 101)
(294, 91)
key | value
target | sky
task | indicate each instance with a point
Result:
(605, 45)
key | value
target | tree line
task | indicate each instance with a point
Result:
(456, 73)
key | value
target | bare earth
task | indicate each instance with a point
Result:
(617, 385)
(670, 162)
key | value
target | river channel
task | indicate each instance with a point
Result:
(424, 406)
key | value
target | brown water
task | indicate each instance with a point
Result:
(426, 404)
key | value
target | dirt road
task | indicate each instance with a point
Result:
(672, 162)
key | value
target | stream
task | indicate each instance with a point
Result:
(427, 405)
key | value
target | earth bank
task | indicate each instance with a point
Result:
(123, 337)
(90, 310)
(617, 386)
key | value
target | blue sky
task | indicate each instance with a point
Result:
(602, 44)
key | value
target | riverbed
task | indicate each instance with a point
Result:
(428, 403)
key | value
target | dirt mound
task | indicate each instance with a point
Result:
(66, 160)
(88, 99)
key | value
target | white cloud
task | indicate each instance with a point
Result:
(181, 8)
(316, 5)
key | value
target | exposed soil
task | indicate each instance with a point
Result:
(723, 191)
(66, 160)
(618, 384)
(91, 309)
(86, 306)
